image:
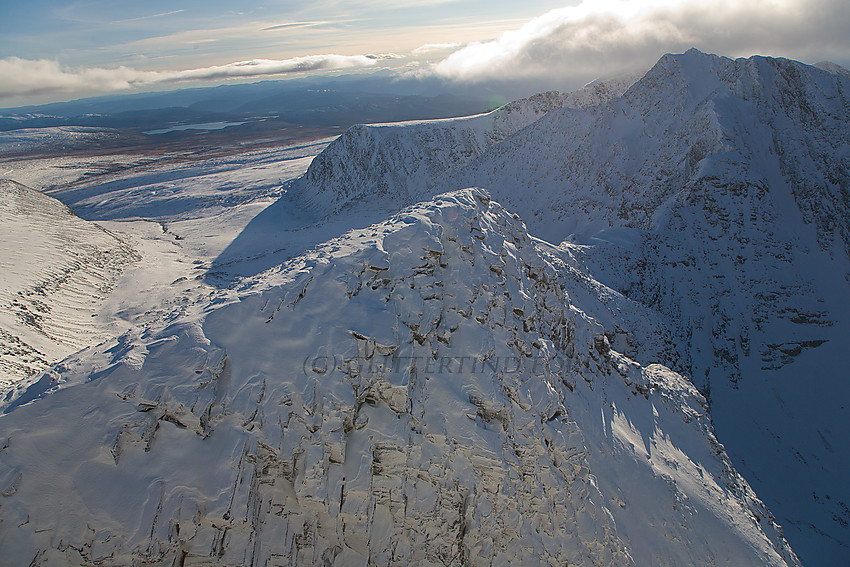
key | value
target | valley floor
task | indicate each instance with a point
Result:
(175, 211)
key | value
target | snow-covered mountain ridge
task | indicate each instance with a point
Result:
(221, 450)
(722, 190)
(402, 162)
(444, 387)
(716, 193)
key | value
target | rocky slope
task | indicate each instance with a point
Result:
(439, 388)
(56, 269)
(722, 190)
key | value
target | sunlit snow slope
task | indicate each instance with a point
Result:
(56, 270)
(435, 389)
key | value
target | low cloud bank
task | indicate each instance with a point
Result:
(23, 77)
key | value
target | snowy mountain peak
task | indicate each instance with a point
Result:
(400, 163)
(714, 192)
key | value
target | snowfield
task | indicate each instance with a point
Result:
(598, 328)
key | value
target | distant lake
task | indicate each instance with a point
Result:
(204, 126)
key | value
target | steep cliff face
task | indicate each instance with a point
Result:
(439, 388)
(692, 118)
(732, 177)
(714, 192)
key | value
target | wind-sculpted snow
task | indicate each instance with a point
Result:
(401, 163)
(55, 268)
(423, 391)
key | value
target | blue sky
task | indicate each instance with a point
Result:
(159, 34)
(54, 50)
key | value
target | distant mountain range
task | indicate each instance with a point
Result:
(338, 102)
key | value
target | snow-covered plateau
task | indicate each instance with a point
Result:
(599, 328)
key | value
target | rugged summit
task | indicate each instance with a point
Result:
(717, 193)
(692, 120)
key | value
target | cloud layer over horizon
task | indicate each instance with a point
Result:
(561, 49)
(22, 77)
(614, 36)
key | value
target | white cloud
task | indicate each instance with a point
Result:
(610, 36)
(432, 47)
(291, 25)
(258, 67)
(23, 77)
